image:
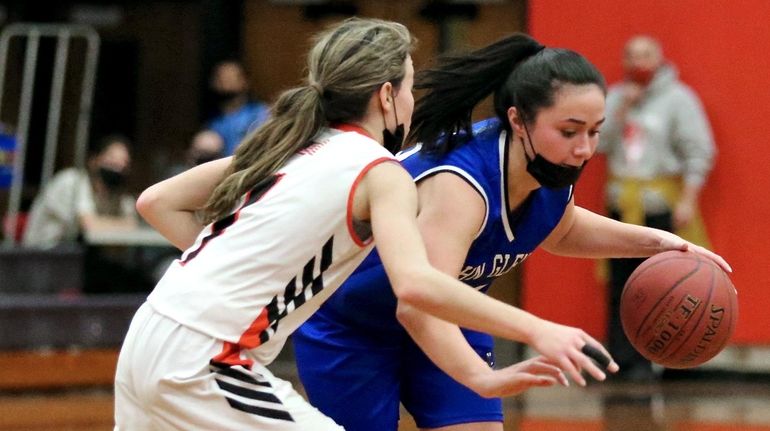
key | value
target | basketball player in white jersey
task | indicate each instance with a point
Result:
(296, 211)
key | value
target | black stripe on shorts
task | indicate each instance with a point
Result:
(238, 375)
(260, 411)
(248, 393)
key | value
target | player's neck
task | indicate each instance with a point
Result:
(520, 183)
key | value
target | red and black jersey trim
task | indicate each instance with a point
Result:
(219, 226)
(298, 290)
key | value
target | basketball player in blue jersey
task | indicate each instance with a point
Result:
(489, 195)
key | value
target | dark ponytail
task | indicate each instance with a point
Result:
(442, 117)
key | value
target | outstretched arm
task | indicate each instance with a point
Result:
(446, 346)
(582, 233)
(393, 204)
(169, 206)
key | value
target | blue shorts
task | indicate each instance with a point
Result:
(358, 377)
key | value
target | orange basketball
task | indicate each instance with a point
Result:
(678, 309)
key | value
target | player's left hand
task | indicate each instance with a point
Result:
(670, 241)
(519, 377)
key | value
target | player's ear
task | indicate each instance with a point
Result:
(385, 94)
(515, 121)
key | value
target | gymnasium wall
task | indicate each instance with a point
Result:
(276, 57)
(720, 48)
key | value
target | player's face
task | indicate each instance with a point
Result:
(567, 133)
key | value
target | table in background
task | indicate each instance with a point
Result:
(126, 261)
(142, 236)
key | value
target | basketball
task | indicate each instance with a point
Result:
(678, 309)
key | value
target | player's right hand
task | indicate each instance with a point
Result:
(519, 377)
(563, 346)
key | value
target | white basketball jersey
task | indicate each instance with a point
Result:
(253, 277)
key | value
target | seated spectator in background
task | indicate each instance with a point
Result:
(238, 113)
(205, 146)
(78, 200)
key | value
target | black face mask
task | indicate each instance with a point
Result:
(112, 179)
(551, 175)
(548, 174)
(393, 141)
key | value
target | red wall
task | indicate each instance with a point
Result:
(722, 49)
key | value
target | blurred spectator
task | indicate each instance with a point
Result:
(238, 113)
(78, 200)
(205, 146)
(660, 150)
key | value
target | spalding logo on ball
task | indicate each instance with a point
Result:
(679, 309)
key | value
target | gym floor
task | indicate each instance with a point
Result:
(672, 405)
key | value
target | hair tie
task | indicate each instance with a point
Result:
(317, 87)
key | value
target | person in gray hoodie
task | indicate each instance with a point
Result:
(659, 149)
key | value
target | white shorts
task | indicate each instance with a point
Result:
(164, 382)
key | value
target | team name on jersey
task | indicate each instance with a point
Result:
(499, 265)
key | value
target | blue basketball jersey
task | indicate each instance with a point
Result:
(357, 363)
(506, 237)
